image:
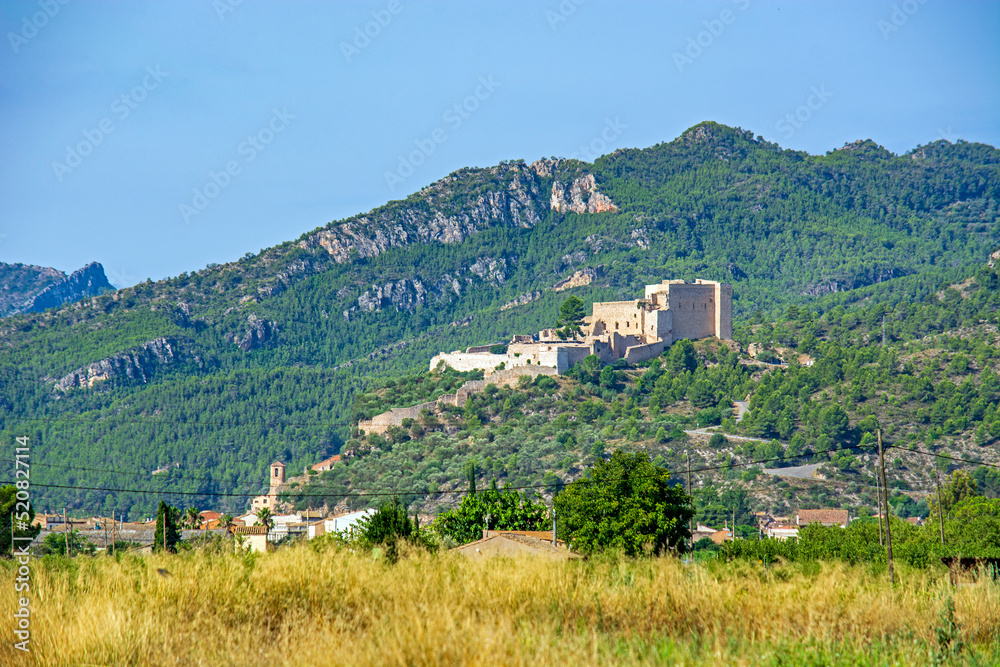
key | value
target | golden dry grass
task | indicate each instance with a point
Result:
(300, 606)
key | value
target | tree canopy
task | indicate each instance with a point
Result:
(624, 503)
(571, 316)
(506, 510)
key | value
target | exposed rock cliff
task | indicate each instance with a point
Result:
(510, 195)
(138, 364)
(578, 279)
(20, 282)
(848, 282)
(522, 300)
(81, 284)
(580, 196)
(258, 333)
(32, 289)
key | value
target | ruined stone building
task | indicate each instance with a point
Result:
(634, 330)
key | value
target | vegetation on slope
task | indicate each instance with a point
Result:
(272, 348)
(928, 392)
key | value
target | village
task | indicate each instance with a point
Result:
(634, 331)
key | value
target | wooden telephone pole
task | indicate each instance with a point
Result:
(878, 493)
(691, 500)
(940, 504)
(885, 495)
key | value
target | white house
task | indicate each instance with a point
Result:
(345, 523)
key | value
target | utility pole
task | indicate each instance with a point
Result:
(554, 539)
(888, 531)
(878, 492)
(691, 500)
(113, 526)
(66, 531)
(940, 504)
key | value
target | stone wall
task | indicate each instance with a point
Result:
(469, 361)
(624, 317)
(639, 353)
(724, 311)
(694, 311)
(380, 424)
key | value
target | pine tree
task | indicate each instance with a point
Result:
(169, 515)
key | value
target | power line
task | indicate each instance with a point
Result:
(386, 493)
(944, 456)
(125, 473)
(424, 493)
(199, 423)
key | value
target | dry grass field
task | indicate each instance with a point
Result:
(307, 606)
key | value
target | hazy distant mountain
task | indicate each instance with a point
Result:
(30, 289)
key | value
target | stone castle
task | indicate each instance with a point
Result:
(634, 330)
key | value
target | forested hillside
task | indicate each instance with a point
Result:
(933, 388)
(225, 369)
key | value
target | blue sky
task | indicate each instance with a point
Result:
(158, 137)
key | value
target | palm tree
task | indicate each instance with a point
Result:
(226, 522)
(192, 517)
(264, 516)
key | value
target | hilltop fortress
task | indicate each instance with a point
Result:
(634, 330)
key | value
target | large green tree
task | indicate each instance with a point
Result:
(624, 503)
(387, 524)
(506, 510)
(571, 316)
(958, 487)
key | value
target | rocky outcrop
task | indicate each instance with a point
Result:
(402, 295)
(21, 282)
(579, 196)
(578, 279)
(33, 289)
(407, 294)
(258, 333)
(845, 283)
(521, 300)
(994, 260)
(84, 283)
(511, 199)
(640, 238)
(136, 365)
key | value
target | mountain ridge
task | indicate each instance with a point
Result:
(289, 335)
